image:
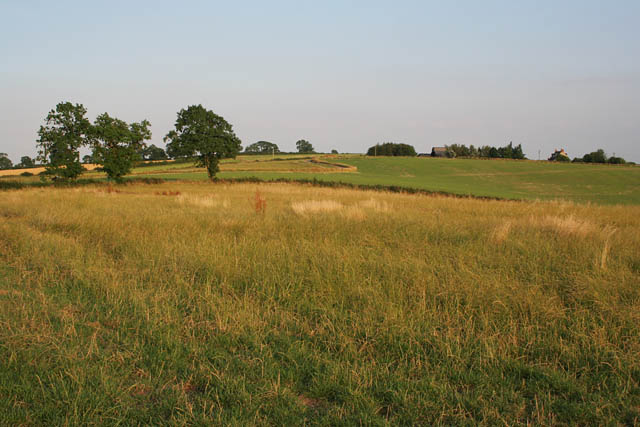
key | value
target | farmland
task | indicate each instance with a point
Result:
(504, 179)
(195, 303)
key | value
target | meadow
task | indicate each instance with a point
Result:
(287, 304)
(506, 179)
(496, 178)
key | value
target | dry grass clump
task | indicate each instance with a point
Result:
(356, 210)
(205, 201)
(567, 225)
(316, 206)
(501, 232)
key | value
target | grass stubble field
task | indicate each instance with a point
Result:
(198, 303)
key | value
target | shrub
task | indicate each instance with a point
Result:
(391, 149)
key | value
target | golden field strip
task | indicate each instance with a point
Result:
(200, 303)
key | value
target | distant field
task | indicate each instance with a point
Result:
(603, 184)
(284, 304)
(507, 179)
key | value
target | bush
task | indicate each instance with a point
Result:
(391, 149)
(26, 174)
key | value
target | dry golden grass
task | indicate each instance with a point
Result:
(35, 171)
(184, 303)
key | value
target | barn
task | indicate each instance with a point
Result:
(439, 152)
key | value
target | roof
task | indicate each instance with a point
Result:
(439, 149)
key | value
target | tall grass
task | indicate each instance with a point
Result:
(189, 303)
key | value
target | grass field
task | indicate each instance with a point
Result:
(504, 179)
(200, 303)
(602, 184)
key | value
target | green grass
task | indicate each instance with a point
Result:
(505, 179)
(179, 303)
(528, 180)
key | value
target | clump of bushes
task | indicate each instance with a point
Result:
(506, 152)
(599, 156)
(391, 149)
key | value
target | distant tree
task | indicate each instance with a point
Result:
(153, 153)
(506, 152)
(117, 144)
(517, 152)
(494, 153)
(304, 146)
(616, 160)
(87, 159)
(598, 156)
(5, 161)
(202, 133)
(66, 130)
(26, 162)
(391, 149)
(262, 147)
(459, 150)
(334, 151)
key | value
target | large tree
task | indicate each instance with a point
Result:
(304, 146)
(66, 130)
(5, 161)
(26, 162)
(202, 133)
(116, 144)
(262, 147)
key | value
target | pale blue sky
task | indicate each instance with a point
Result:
(342, 74)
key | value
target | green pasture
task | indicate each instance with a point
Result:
(509, 179)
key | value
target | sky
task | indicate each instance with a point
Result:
(344, 75)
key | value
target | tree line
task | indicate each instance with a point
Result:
(115, 145)
(486, 151)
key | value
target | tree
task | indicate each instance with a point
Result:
(616, 160)
(518, 153)
(116, 144)
(334, 151)
(87, 159)
(26, 162)
(304, 146)
(262, 147)
(5, 161)
(391, 149)
(153, 153)
(595, 157)
(459, 150)
(203, 133)
(66, 130)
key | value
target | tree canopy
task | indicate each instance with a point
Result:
(506, 152)
(5, 161)
(153, 153)
(26, 162)
(116, 144)
(391, 149)
(202, 133)
(262, 147)
(66, 130)
(304, 146)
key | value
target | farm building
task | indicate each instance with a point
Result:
(439, 152)
(558, 153)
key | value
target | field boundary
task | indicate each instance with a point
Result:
(13, 185)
